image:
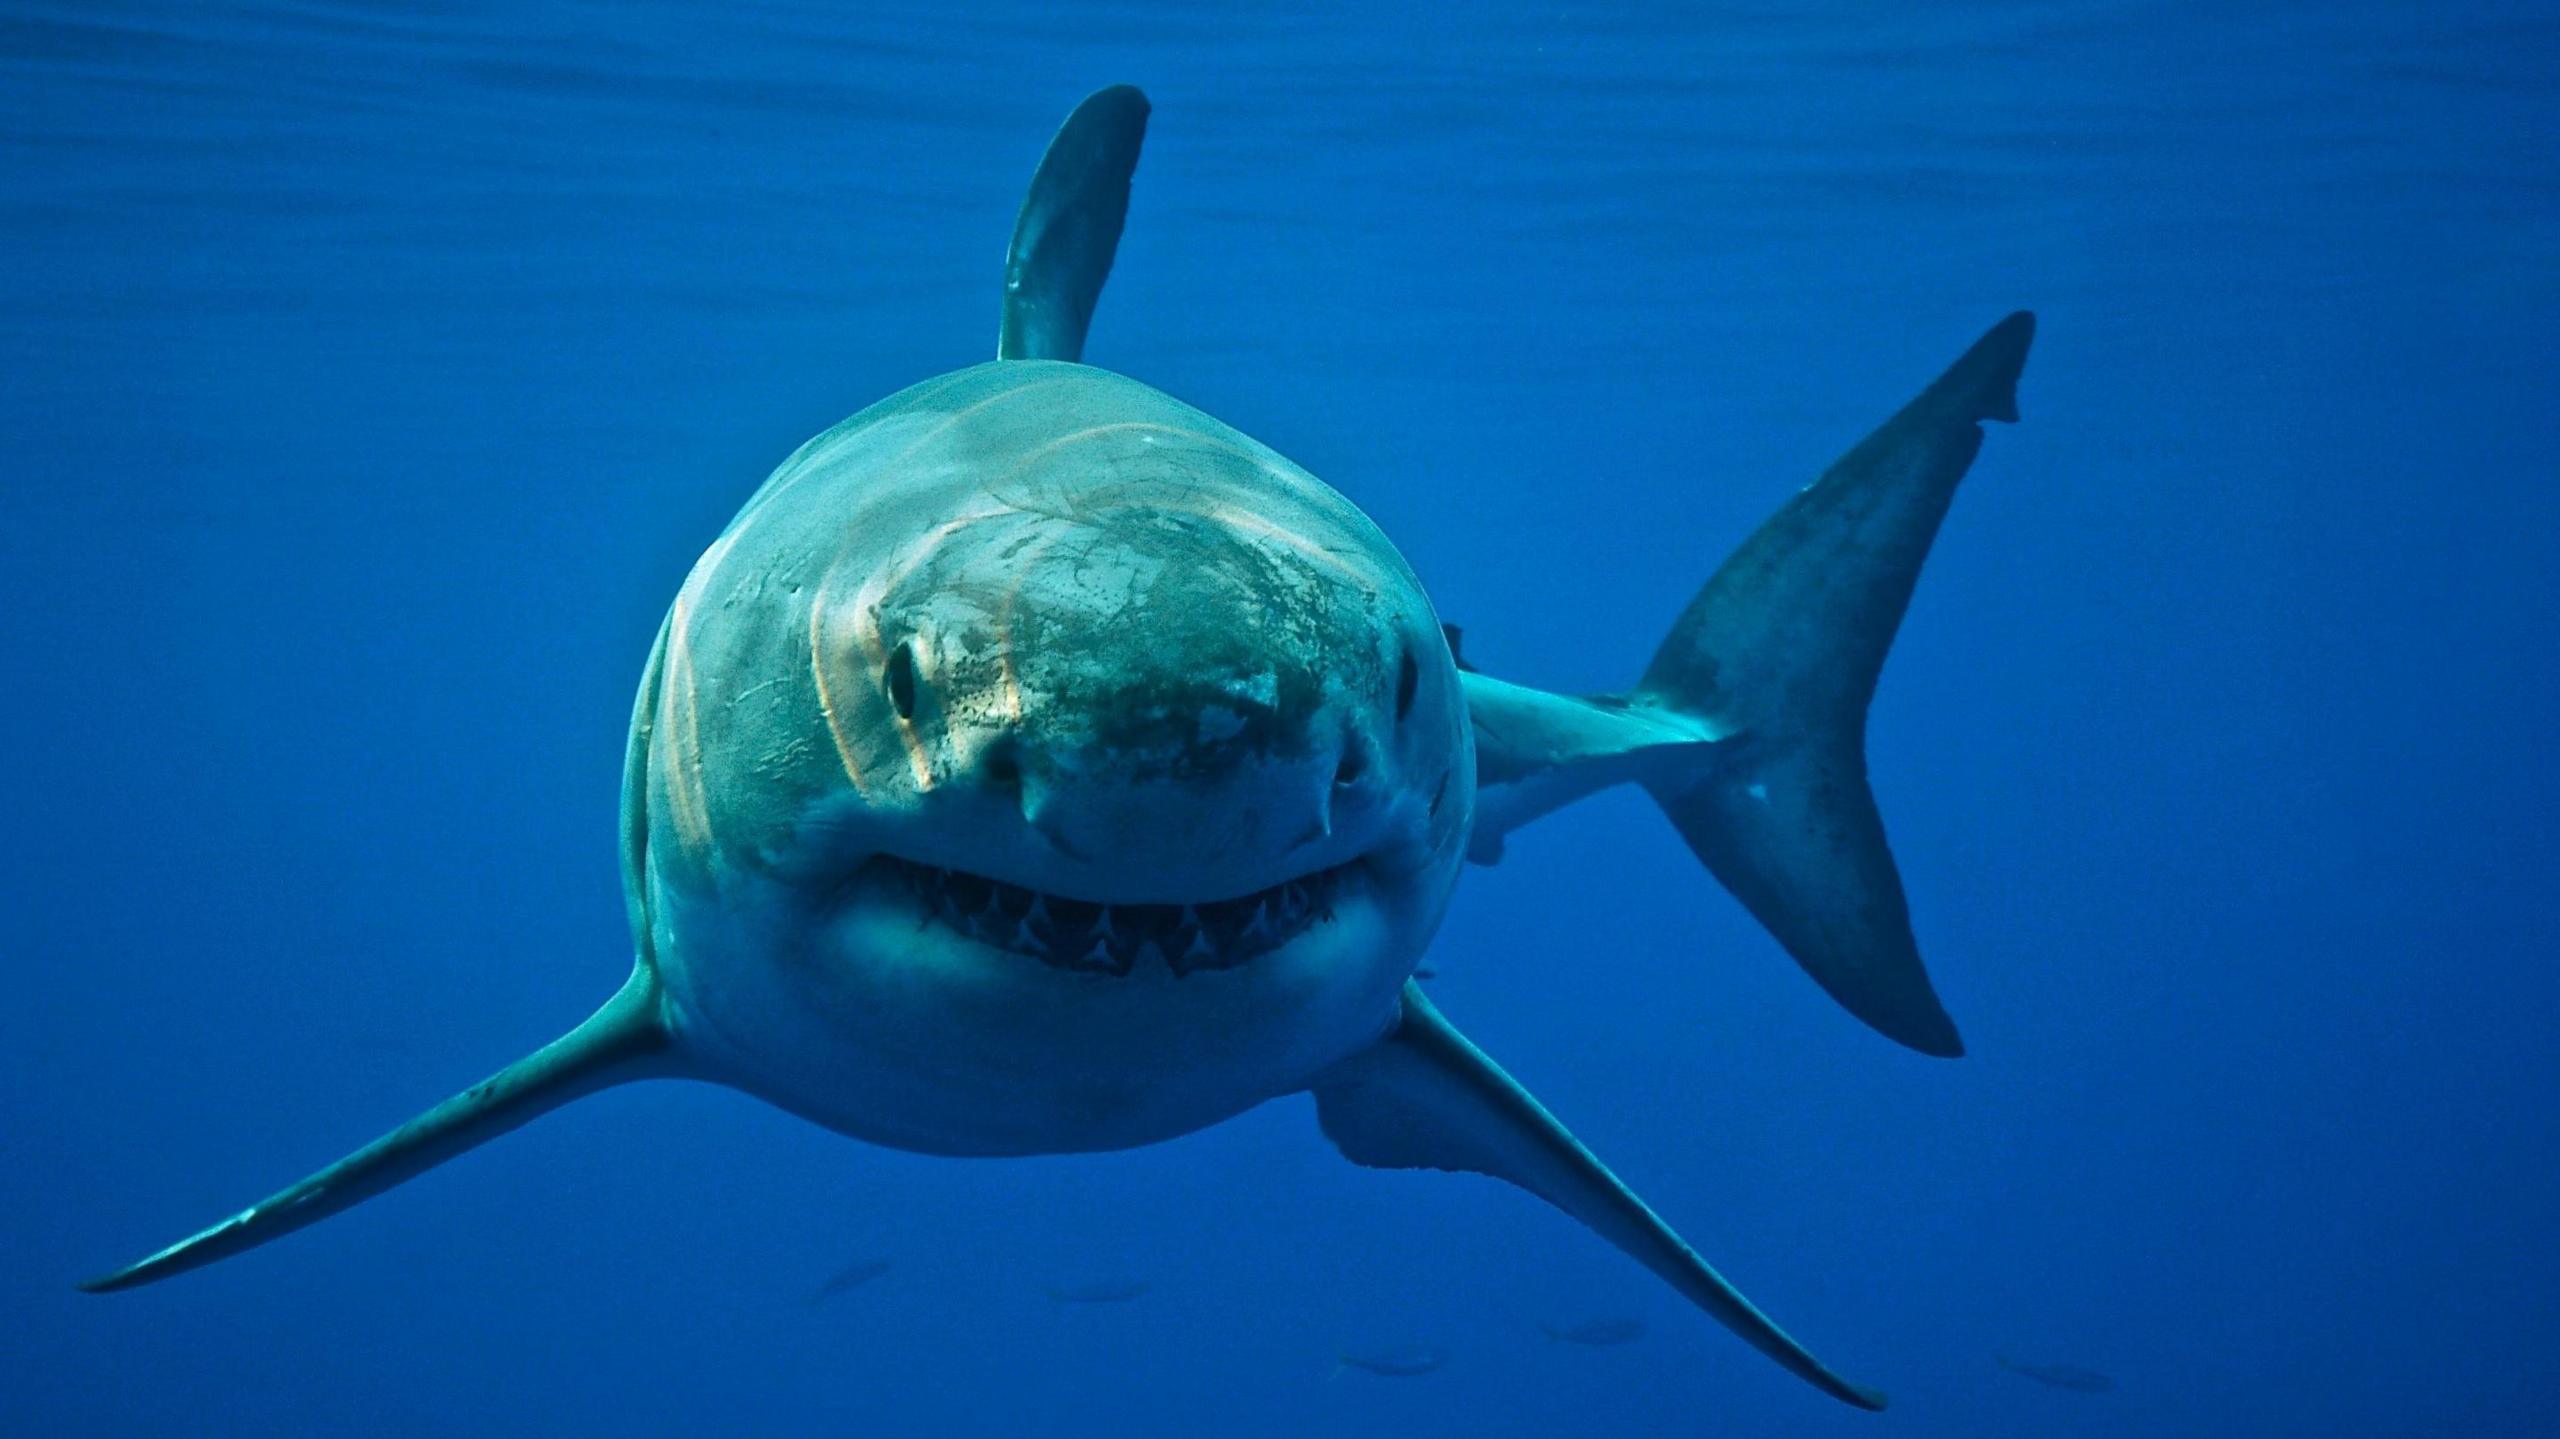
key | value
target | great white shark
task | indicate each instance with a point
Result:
(1036, 765)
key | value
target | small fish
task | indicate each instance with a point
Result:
(853, 1276)
(2060, 1376)
(1098, 1291)
(1424, 971)
(1597, 1333)
(1393, 1363)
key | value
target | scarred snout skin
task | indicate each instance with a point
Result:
(1038, 621)
(1167, 681)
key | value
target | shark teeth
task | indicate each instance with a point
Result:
(1090, 938)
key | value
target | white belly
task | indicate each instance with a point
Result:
(857, 1014)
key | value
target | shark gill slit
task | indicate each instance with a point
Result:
(826, 701)
(683, 721)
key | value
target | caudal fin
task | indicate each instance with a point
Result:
(1782, 648)
(623, 1040)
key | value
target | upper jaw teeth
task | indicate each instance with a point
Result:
(1096, 938)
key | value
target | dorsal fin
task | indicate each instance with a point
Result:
(1070, 227)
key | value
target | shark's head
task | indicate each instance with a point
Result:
(1153, 733)
(1158, 779)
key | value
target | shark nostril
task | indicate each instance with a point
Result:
(1354, 764)
(1003, 772)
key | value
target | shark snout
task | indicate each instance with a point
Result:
(1154, 698)
(1192, 829)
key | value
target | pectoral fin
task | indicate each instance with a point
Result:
(622, 1041)
(1425, 1098)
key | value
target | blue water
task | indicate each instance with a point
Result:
(373, 373)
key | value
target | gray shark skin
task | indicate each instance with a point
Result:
(1036, 764)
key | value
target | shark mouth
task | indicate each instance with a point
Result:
(1091, 938)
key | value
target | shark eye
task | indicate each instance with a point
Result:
(1408, 678)
(900, 680)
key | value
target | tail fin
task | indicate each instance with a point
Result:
(1070, 227)
(1783, 646)
(624, 1040)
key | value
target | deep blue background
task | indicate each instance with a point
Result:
(370, 375)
